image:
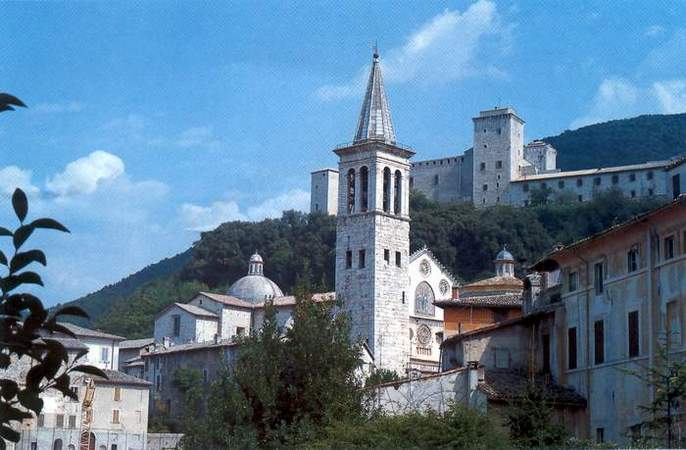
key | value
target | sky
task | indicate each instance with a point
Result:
(150, 122)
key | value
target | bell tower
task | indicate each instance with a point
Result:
(373, 230)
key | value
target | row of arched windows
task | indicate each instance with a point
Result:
(392, 184)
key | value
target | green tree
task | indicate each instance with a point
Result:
(531, 420)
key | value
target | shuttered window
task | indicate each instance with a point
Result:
(571, 348)
(599, 339)
(633, 334)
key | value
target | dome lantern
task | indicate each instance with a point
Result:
(255, 287)
(504, 263)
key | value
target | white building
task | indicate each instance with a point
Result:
(115, 419)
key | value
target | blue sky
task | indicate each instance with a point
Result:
(152, 121)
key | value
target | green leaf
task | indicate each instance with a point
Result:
(5, 232)
(35, 375)
(8, 389)
(49, 224)
(23, 259)
(3, 259)
(20, 204)
(9, 434)
(29, 399)
(11, 282)
(89, 370)
(72, 311)
(58, 328)
(21, 235)
(9, 99)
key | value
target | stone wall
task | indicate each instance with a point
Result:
(324, 191)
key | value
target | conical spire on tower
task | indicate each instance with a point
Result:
(375, 117)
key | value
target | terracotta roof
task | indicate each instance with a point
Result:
(509, 386)
(679, 202)
(494, 281)
(87, 332)
(497, 301)
(505, 323)
(227, 299)
(135, 343)
(598, 171)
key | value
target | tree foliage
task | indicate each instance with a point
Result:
(531, 421)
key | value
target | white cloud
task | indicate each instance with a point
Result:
(205, 218)
(671, 95)
(85, 174)
(654, 30)
(448, 47)
(197, 137)
(51, 108)
(12, 177)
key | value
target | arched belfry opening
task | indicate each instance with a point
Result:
(364, 189)
(386, 190)
(398, 182)
(351, 191)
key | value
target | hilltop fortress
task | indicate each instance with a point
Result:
(500, 169)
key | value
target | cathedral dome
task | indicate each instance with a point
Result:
(504, 255)
(255, 287)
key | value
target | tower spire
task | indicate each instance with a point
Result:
(375, 117)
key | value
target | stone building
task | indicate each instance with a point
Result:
(484, 302)
(130, 361)
(500, 169)
(604, 307)
(117, 417)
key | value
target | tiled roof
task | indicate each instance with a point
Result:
(135, 343)
(484, 329)
(227, 299)
(509, 386)
(87, 332)
(286, 300)
(598, 171)
(196, 310)
(494, 281)
(189, 347)
(497, 301)
(117, 377)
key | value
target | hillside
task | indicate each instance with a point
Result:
(100, 302)
(300, 245)
(621, 142)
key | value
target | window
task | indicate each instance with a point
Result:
(158, 382)
(397, 196)
(573, 281)
(615, 179)
(649, 175)
(579, 182)
(361, 259)
(597, 181)
(59, 421)
(571, 348)
(240, 331)
(482, 166)
(544, 186)
(632, 177)
(411, 182)
(41, 420)
(115, 416)
(75, 392)
(546, 353)
(632, 260)
(398, 259)
(525, 187)
(177, 325)
(599, 340)
(633, 334)
(669, 247)
(498, 164)
(113, 447)
(348, 259)
(633, 194)
(57, 445)
(387, 189)
(650, 192)
(502, 358)
(72, 421)
(580, 198)
(205, 375)
(561, 184)
(34, 445)
(598, 275)
(351, 191)
(674, 324)
(676, 186)
(105, 354)
(117, 394)
(485, 187)
(424, 299)
(435, 180)
(364, 188)
(387, 256)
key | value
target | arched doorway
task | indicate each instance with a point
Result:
(57, 445)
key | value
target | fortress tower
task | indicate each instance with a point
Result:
(498, 154)
(373, 230)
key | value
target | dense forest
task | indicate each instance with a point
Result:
(298, 245)
(621, 142)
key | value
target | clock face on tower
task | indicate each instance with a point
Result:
(425, 267)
